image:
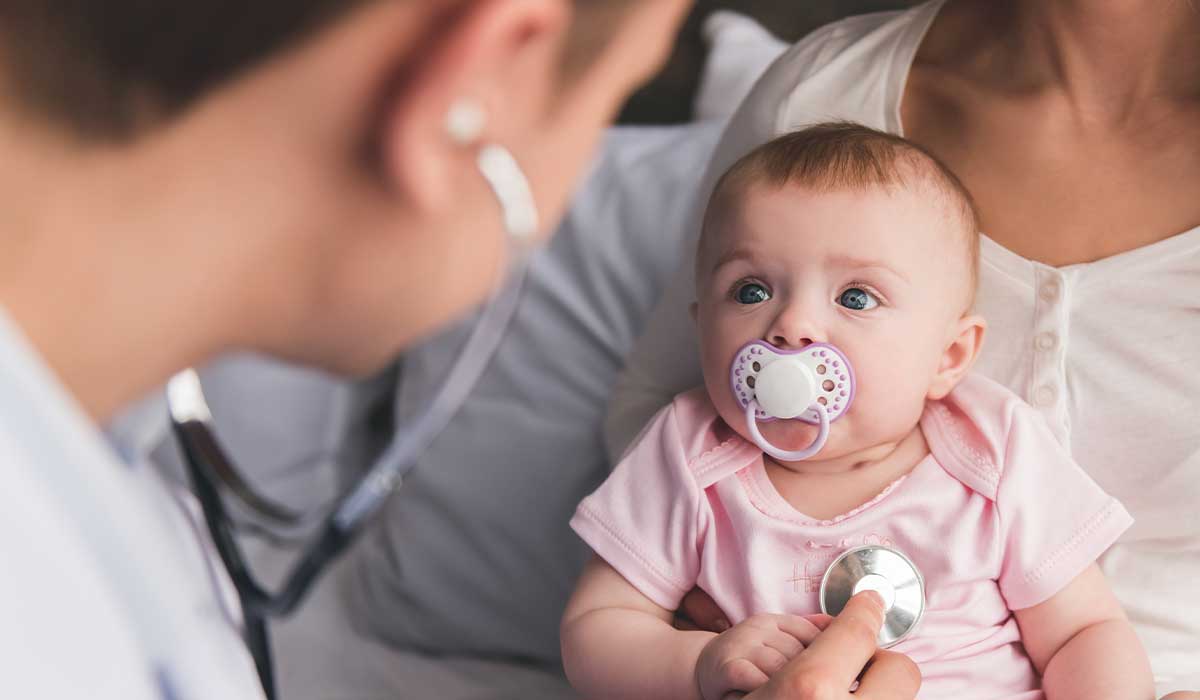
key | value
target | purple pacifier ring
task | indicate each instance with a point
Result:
(814, 384)
(787, 455)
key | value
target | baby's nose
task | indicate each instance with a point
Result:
(782, 340)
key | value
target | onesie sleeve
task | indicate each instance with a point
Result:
(645, 519)
(1054, 520)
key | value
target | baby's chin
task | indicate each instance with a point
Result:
(792, 435)
(788, 434)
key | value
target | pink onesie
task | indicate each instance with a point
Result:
(997, 518)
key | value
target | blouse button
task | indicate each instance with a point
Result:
(1045, 341)
(1049, 290)
(1044, 396)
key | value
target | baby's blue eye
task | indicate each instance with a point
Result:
(751, 293)
(857, 299)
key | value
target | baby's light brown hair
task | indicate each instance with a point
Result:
(846, 156)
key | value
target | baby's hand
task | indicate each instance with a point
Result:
(744, 656)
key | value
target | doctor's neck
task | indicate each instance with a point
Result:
(96, 271)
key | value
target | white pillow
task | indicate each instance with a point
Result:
(739, 51)
(473, 555)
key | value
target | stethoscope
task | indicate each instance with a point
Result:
(212, 473)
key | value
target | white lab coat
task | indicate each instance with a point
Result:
(107, 589)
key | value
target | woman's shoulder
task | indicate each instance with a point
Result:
(831, 40)
(849, 69)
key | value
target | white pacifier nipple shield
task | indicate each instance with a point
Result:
(814, 385)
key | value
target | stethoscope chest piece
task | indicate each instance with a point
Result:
(886, 571)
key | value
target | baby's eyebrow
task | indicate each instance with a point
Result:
(853, 263)
(731, 255)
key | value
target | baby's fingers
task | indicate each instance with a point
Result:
(744, 674)
(768, 659)
(752, 669)
(803, 630)
(784, 643)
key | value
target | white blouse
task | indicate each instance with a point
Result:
(1107, 351)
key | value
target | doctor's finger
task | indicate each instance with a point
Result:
(889, 676)
(840, 653)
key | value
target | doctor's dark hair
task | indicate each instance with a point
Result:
(107, 67)
(846, 156)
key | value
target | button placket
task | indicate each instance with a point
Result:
(1048, 379)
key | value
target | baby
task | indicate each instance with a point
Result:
(855, 252)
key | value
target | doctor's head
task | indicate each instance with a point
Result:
(308, 166)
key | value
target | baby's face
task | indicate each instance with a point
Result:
(880, 274)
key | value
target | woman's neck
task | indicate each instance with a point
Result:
(1108, 61)
(1108, 55)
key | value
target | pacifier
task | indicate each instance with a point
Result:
(814, 385)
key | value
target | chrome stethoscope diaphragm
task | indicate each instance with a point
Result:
(883, 570)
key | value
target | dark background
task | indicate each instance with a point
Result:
(668, 98)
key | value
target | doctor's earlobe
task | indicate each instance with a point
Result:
(481, 77)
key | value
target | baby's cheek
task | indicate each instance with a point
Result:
(888, 404)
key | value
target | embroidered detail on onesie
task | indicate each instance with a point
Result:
(818, 556)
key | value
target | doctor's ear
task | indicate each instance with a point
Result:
(958, 356)
(484, 75)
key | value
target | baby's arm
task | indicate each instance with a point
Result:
(616, 642)
(1083, 645)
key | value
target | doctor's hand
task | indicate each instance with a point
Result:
(1182, 695)
(845, 651)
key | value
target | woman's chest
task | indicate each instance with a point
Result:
(1083, 209)
(1054, 186)
(1106, 353)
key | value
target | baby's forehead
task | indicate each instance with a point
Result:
(908, 230)
(794, 217)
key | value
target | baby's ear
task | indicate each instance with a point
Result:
(958, 356)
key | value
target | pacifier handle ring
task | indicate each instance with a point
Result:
(788, 455)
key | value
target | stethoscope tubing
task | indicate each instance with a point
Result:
(208, 467)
